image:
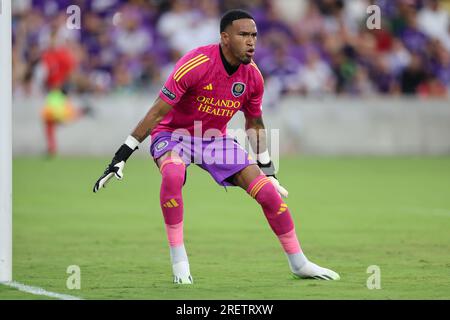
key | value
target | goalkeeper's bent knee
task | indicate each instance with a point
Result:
(172, 171)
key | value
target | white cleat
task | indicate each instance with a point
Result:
(313, 271)
(181, 273)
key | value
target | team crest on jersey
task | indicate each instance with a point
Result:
(161, 145)
(238, 89)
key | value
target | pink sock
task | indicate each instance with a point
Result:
(175, 234)
(276, 212)
(289, 242)
(172, 171)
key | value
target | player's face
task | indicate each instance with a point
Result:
(240, 38)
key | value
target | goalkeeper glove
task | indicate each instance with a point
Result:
(115, 168)
(269, 170)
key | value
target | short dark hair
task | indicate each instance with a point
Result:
(231, 15)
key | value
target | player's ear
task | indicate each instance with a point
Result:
(225, 37)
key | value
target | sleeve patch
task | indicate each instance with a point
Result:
(169, 94)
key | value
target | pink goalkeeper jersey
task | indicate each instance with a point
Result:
(200, 89)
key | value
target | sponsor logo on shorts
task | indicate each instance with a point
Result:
(169, 94)
(160, 146)
(238, 89)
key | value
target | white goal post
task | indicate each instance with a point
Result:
(5, 142)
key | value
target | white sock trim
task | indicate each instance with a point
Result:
(178, 254)
(296, 261)
(132, 142)
(181, 269)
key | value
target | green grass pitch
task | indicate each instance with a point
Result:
(350, 213)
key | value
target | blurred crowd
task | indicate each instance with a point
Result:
(314, 48)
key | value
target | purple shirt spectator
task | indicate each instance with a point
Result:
(414, 40)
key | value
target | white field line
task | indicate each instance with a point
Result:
(39, 291)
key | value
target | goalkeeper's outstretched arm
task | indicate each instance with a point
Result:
(256, 133)
(154, 116)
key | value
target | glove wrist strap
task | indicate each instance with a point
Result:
(132, 142)
(125, 150)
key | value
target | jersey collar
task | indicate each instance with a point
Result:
(229, 69)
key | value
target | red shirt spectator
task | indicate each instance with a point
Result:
(59, 63)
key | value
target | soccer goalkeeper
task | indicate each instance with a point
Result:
(205, 90)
